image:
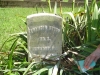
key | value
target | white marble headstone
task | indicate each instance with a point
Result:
(44, 32)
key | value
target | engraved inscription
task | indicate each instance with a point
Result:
(44, 39)
(44, 36)
(44, 27)
(44, 48)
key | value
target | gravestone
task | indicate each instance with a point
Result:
(44, 33)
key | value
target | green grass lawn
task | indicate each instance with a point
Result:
(12, 21)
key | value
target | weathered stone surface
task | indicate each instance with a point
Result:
(44, 36)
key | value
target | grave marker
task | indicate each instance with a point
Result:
(44, 32)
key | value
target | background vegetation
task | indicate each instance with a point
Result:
(80, 37)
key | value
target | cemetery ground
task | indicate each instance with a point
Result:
(13, 20)
(76, 41)
(13, 24)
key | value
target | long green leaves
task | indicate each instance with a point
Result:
(40, 71)
(83, 29)
(10, 60)
(49, 3)
(75, 24)
(92, 22)
(85, 21)
(95, 25)
(88, 22)
(25, 73)
(55, 8)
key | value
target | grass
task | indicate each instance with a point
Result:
(76, 45)
(12, 21)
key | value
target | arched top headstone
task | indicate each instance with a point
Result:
(44, 36)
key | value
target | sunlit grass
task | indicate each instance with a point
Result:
(12, 20)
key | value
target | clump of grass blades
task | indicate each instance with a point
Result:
(81, 31)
